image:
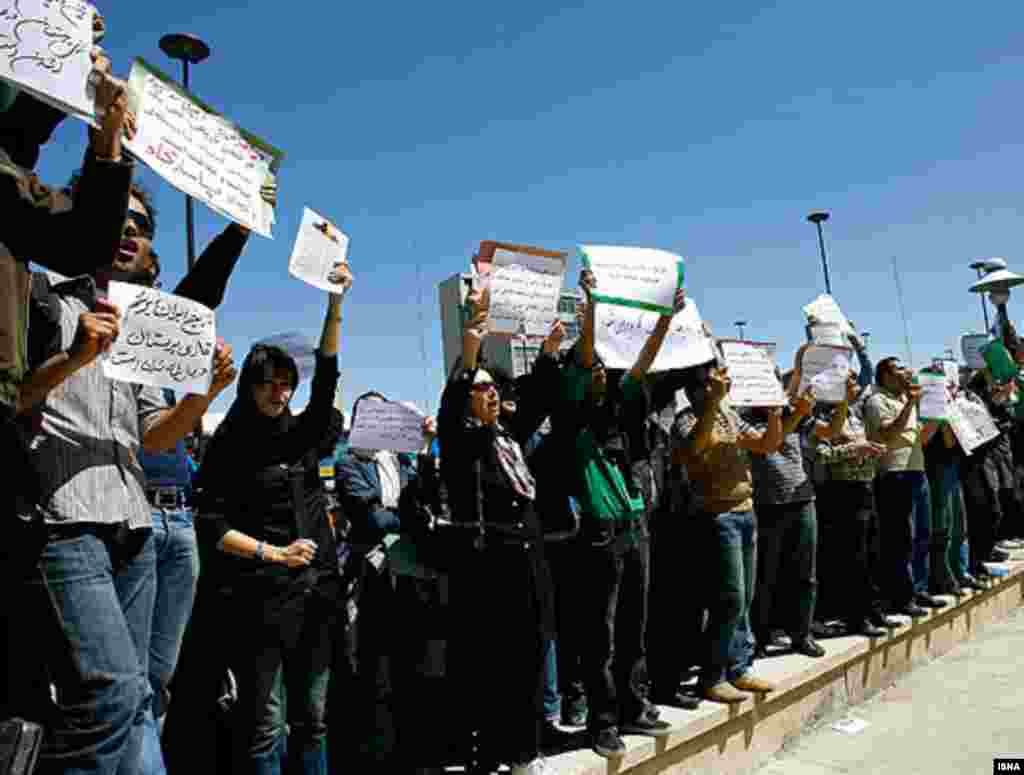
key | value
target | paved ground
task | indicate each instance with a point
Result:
(950, 717)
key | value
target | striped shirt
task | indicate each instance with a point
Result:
(87, 446)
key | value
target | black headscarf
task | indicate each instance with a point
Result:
(246, 439)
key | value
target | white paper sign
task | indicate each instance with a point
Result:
(200, 152)
(824, 309)
(638, 277)
(952, 371)
(826, 369)
(524, 292)
(299, 348)
(850, 726)
(45, 49)
(934, 396)
(387, 425)
(320, 248)
(165, 341)
(621, 332)
(752, 372)
(971, 345)
(971, 423)
(830, 334)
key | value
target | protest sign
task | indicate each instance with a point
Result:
(387, 425)
(621, 332)
(320, 249)
(826, 369)
(971, 423)
(298, 347)
(643, 278)
(166, 341)
(829, 334)
(972, 345)
(952, 372)
(824, 309)
(525, 284)
(198, 151)
(45, 49)
(752, 372)
(934, 396)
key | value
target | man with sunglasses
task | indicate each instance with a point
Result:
(96, 582)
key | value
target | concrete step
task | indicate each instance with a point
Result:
(737, 739)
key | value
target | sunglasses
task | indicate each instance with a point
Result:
(142, 223)
(484, 387)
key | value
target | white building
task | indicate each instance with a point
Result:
(513, 355)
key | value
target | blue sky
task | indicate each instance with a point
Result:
(705, 129)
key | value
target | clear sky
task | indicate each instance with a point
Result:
(708, 129)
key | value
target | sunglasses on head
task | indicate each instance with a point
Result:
(142, 223)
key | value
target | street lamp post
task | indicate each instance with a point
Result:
(740, 325)
(818, 217)
(997, 282)
(981, 267)
(191, 51)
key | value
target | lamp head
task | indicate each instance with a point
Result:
(818, 216)
(997, 281)
(184, 46)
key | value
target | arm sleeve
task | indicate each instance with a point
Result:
(150, 402)
(867, 371)
(208, 279)
(75, 241)
(537, 396)
(307, 433)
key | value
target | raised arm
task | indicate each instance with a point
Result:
(207, 281)
(654, 342)
(701, 437)
(764, 442)
(586, 344)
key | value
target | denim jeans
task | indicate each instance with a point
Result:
(95, 593)
(786, 568)
(177, 571)
(552, 699)
(730, 551)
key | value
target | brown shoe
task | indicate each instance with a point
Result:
(751, 683)
(725, 693)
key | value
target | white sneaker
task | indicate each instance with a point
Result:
(538, 766)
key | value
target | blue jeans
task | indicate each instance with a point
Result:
(177, 571)
(730, 551)
(552, 699)
(94, 636)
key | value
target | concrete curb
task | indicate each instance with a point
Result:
(732, 740)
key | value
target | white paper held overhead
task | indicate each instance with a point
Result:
(621, 332)
(200, 152)
(524, 292)
(320, 249)
(45, 49)
(644, 278)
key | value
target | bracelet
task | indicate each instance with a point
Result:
(259, 551)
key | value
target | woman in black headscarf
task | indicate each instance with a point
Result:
(275, 577)
(500, 582)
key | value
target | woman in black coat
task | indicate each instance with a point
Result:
(500, 582)
(275, 579)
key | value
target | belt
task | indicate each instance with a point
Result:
(167, 497)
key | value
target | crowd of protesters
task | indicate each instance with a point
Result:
(571, 550)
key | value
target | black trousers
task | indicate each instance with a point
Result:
(787, 583)
(988, 490)
(844, 564)
(565, 572)
(614, 571)
(896, 519)
(675, 630)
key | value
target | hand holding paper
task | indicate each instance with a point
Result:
(95, 334)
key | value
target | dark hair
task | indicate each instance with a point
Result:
(137, 190)
(884, 367)
(367, 394)
(269, 359)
